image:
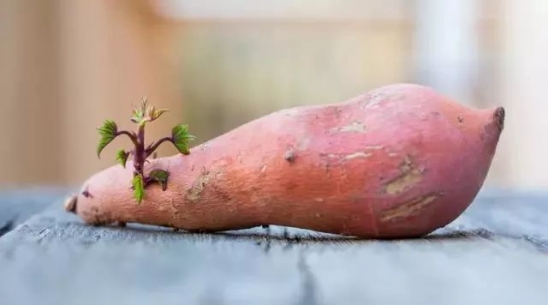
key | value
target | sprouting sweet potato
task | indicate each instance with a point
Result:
(395, 162)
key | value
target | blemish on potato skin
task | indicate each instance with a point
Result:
(357, 155)
(330, 156)
(355, 126)
(193, 194)
(86, 193)
(374, 100)
(409, 176)
(373, 147)
(409, 207)
(290, 156)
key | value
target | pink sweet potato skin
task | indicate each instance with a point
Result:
(398, 161)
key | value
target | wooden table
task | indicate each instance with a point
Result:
(495, 253)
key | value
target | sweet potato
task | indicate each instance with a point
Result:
(395, 162)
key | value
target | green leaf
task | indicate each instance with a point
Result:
(121, 157)
(181, 137)
(159, 176)
(138, 188)
(108, 132)
(154, 114)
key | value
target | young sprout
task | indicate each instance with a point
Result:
(142, 115)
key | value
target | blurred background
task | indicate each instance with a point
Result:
(65, 66)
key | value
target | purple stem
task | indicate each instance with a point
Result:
(140, 154)
(131, 136)
(152, 147)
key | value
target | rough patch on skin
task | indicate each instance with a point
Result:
(409, 207)
(357, 155)
(409, 176)
(374, 147)
(374, 100)
(289, 155)
(193, 194)
(204, 146)
(331, 156)
(356, 126)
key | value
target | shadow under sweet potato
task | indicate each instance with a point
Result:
(289, 237)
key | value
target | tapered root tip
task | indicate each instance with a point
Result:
(499, 116)
(70, 204)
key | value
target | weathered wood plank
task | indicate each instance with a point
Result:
(495, 253)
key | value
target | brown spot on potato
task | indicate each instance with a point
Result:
(409, 207)
(193, 194)
(86, 193)
(289, 156)
(409, 176)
